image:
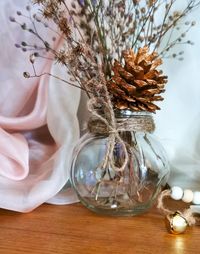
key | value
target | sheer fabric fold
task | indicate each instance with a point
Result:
(38, 124)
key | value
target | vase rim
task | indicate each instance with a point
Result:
(121, 113)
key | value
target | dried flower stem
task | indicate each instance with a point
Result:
(56, 77)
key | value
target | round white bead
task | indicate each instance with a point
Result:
(187, 196)
(176, 193)
(196, 198)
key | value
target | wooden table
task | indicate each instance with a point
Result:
(74, 229)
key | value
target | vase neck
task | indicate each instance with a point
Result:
(124, 122)
(120, 114)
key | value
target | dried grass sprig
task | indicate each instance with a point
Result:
(96, 33)
(121, 25)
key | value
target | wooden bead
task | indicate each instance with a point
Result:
(187, 196)
(176, 193)
(196, 198)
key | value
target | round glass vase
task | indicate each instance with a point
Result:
(132, 191)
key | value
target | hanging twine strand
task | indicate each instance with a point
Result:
(114, 137)
(187, 213)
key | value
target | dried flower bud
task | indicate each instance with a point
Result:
(26, 74)
(73, 5)
(47, 45)
(135, 2)
(32, 58)
(12, 19)
(151, 2)
(64, 27)
(166, 6)
(176, 14)
(38, 19)
(24, 44)
(28, 8)
(36, 54)
(23, 26)
(61, 57)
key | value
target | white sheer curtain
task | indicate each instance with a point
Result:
(178, 123)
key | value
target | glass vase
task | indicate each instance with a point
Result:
(129, 192)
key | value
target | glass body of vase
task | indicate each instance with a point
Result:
(105, 190)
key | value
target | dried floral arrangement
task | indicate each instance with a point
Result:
(113, 45)
(112, 50)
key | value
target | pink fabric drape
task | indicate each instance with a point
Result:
(38, 125)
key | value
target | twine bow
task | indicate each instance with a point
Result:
(99, 124)
(114, 138)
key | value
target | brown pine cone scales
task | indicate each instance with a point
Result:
(137, 84)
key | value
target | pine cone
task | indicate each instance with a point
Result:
(138, 83)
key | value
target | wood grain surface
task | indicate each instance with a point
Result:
(73, 229)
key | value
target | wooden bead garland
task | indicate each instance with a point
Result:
(187, 195)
